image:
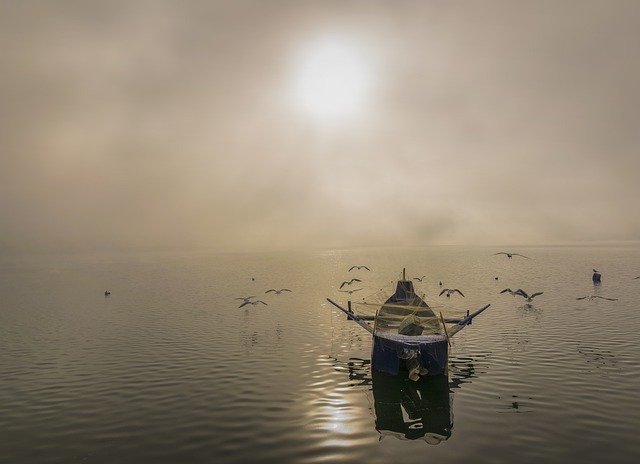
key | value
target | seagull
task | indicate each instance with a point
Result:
(636, 278)
(513, 292)
(511, 255)
(359, 267)
(107, 293)
(450, 291)
(525, 295)
(278, 292)
(350, 291)
(349, 282)
(252, 303)
(419, 279)
(245, 298)
(591, 297)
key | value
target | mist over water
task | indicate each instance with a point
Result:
(169, 369)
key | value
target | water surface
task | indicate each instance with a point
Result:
(169, 369)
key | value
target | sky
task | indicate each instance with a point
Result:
(260, 125)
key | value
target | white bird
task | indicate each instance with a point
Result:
(278, 292)
(419, 279)
(526, 296)
(350, 291)
(449, 291)
(591, 297)
(252, 303)
(349, 282)
(511, 255)
(359, 267)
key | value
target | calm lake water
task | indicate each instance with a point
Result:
(168, 369)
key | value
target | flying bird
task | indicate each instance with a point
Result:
(419, 279)
(449, 291)
(527, 296)
(513, 292)
(252, 303)
(636, 278)
(359, 267)
(350, 291)
(245, 298)
(278, 292)
(349, 282)
(107, 293)
(591, 297)
(511, 255)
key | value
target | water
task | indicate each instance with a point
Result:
(169, 369)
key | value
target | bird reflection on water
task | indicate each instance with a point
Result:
(406, 409)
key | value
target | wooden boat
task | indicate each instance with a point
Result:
(408, 334)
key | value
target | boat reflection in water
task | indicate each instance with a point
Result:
(411, 410)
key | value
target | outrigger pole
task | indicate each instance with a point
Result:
(458, 324)
(465, 321)
(352, 316)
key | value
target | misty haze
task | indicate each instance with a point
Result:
(271, 125)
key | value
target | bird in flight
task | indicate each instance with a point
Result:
(107, 293)
(349, 282)
(449, 291)
(508, 290)
(636, 278)
(419, 279)
(252, 303)
(511, 255)
(359, 267)
(350, 291)
(527, 296)
(591, 297)
(278, 292)
(245, 298)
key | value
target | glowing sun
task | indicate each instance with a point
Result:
(332, 79)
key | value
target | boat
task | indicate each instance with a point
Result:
(407, 333)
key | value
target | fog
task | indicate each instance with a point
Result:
(181, 124)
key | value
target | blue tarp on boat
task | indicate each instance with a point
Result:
(389, 349)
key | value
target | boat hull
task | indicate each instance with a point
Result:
(391, 355)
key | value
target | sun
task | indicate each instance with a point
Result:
(332, 79)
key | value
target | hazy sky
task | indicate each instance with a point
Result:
(273, 124)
